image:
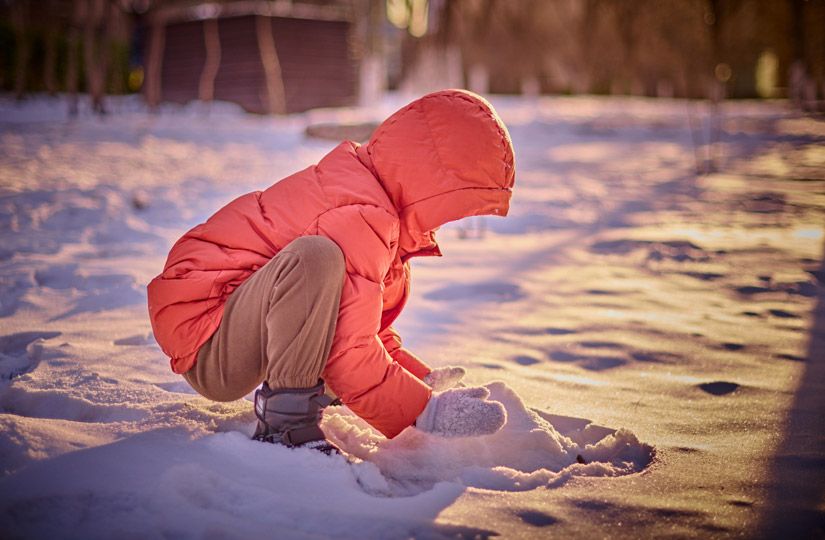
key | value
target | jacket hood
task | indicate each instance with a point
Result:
(443, 157)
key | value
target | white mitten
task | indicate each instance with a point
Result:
(444, 378)
(462, 412)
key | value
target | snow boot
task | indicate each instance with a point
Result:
(290, 416)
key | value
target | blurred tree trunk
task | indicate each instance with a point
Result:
(212, 41)
(627, 14)
(373, 75)
(436, 61)
(584, 76)
(275, 102)
(154, 60)
(718, 80)
(446, 42)
(72, 58)
(96, 50)
(821, 74)
(479, 51)
(118, 36)
(799, 75)
(20, 24)
(50, 46)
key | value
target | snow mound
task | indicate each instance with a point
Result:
(174, 483)
(181, 479)
(528, 453)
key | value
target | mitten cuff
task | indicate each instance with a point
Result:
(426, 420)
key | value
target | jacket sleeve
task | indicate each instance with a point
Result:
(405, 357)
(360, 370)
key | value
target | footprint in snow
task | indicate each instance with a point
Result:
(719, 388)
(559, 331)
(782, 314)
(486, 291)
(19, 353)
(525, 360)
(674, 250)
(806, 288)
(791, 357)
(656, 357)
(733, 346)
(490, 365)
(601, 345)
(138, 339)
(601, 292)
(536, 518)
(93, 293)
(588, 361)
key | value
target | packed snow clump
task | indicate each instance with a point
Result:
(529, 452)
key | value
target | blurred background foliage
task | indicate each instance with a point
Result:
(666, 48)
(680, 48)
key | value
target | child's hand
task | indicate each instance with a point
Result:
(444, 378)
(462, 412)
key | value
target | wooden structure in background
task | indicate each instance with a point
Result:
(269, 57)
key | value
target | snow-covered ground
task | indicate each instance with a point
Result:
(654, 334)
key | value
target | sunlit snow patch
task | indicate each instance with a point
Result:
(533, 449)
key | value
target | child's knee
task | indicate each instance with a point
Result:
(320, 254)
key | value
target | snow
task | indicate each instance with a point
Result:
(650, 332)
(527, 453)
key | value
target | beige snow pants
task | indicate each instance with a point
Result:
(277, 326)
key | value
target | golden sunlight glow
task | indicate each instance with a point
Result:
(767, 74)
(418, 18)
(409, 14)
(398, 13)
(135, 79)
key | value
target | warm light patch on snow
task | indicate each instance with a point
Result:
(647, 327)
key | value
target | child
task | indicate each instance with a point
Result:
(297, 285)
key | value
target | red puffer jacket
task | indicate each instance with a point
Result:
(440, 158)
